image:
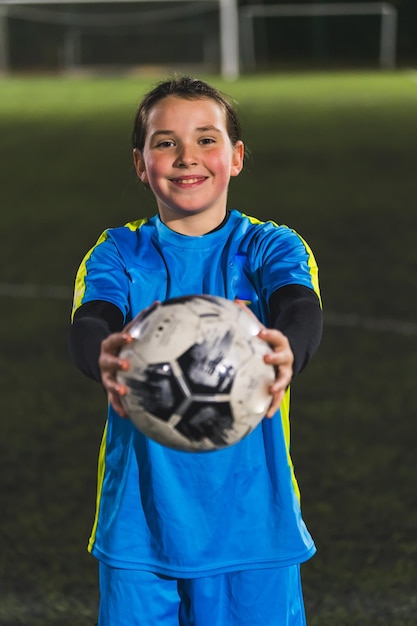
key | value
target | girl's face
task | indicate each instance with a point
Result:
(188, 160)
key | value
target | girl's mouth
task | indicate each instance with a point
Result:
(188, 181)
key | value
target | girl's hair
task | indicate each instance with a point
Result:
(190, 89)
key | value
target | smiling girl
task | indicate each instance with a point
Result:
(186, 539)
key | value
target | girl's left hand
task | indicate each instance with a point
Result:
(282, 359)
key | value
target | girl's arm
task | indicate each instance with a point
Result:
(93, 322)
(295, 310)
(96, 338)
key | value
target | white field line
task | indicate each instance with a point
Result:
(15, 290)
(345, 320)
(352, 320)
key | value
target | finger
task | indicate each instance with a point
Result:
(110, 381)
(275, 403)
(111, 364)
(109, 360)
(278, 388)
(114, 342)
(282, 361)
(281, 383)
(281, 354)
(274, 337)
(115, 401)
(279, 358)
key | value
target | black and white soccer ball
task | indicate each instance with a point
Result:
(197, 380)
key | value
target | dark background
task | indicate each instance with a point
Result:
(185, 32)
(333, 154)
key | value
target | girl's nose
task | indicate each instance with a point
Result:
(186, 157)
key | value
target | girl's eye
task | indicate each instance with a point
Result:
(206, 141)
(167, 143)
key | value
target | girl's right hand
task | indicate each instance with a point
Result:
(110, 363)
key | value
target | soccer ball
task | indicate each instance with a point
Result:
(197, 380)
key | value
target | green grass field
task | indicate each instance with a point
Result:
(332, 155)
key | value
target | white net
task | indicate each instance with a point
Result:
(102, 35)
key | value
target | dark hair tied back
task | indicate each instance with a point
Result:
(188, 88)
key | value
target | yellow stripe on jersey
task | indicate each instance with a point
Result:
(136, 224)
(79, 289)
(314, 272)
(285, 404)
(100, 479)
(80, 286)
(285, 419)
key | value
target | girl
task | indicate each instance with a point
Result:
(212, 539)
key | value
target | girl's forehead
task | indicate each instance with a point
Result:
(174, 108)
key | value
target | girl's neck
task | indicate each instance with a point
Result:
(194, 225)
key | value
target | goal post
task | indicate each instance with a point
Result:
(388, 32)
(4, 41)
(228, 26)
(236, 26)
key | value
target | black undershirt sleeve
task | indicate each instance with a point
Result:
(295, 310)
(92, 323)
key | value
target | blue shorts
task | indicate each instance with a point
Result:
(267, 597)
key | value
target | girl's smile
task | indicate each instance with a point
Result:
(188, 181)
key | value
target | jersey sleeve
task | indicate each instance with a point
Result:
(102, 276)
(282, 258)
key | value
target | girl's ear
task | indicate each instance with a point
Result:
(139, 164)
(237, 158)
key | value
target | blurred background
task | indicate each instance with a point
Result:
(327, 95)
(65, 36)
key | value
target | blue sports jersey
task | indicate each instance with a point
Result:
(191, 514)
